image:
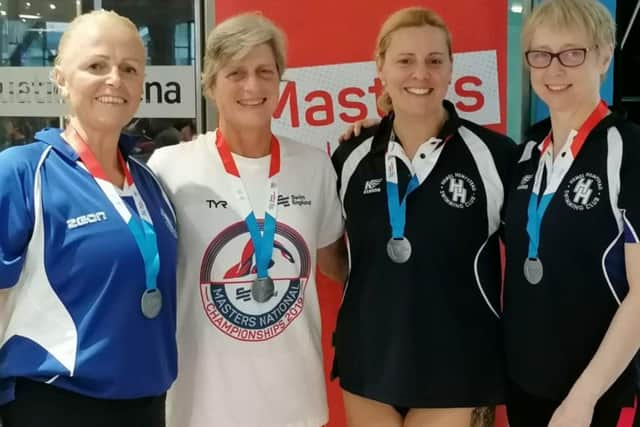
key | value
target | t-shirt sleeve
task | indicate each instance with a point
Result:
(629, 200)
(161, 164)
(155, 162)
(331, 221)
(16, 211)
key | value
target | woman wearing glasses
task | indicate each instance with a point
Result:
(572, 292)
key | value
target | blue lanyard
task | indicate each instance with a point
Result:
(141, 227)
(540, 198)
(537, 207)
(262, 241)
(146, 239)
(398, 208)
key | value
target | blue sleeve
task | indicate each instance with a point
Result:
(16, 213)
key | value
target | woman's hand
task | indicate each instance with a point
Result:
(573, 412)
(356, 128)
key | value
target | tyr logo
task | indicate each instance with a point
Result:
(217, 204)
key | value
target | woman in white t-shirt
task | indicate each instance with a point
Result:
(256, 214)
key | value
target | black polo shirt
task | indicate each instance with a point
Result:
(424, 333)
(553, 329)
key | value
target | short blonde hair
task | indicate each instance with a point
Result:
(588, 15)
(75, 26)
(405, 18)
(87, 18)
(235, 37)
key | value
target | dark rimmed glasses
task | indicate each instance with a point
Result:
(573, 57)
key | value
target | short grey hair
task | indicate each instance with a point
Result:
(235, 37)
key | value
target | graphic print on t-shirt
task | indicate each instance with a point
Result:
(228, 269)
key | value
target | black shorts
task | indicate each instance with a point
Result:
(402, 410)
(41, 405)
(527, 410)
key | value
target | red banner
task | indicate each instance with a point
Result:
(331, 82)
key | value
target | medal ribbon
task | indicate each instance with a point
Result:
(262, 241)
(141, 227)
(538, 202)
(398, 208)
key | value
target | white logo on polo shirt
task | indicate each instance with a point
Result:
(524, 182)
(89, 218)
(458, 190)
(372, 186)
(583, 191)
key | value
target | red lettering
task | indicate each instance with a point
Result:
(346, 103)
(462, 92)
(326, 108)
(227, 326)
(377, 90)
(289, 95)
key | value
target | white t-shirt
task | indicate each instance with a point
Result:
(243, 363)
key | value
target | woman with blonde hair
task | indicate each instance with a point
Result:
(87, 251)
(572, 290)
(418, 334)
(256, 214)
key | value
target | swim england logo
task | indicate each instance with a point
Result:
(228, 269)
(293, 200)
(458, 190)
(583, 191)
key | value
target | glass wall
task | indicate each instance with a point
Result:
(29, 35)
(30, 32)
(167, 29)
(627, 59)
(517, 80)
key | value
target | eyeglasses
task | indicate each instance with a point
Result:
(568, 58)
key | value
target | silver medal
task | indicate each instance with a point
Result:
(533, 270)
(151, 303)
(263, 289)
(399, 250)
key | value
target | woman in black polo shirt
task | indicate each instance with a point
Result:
(418, 335)
(572, 291)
